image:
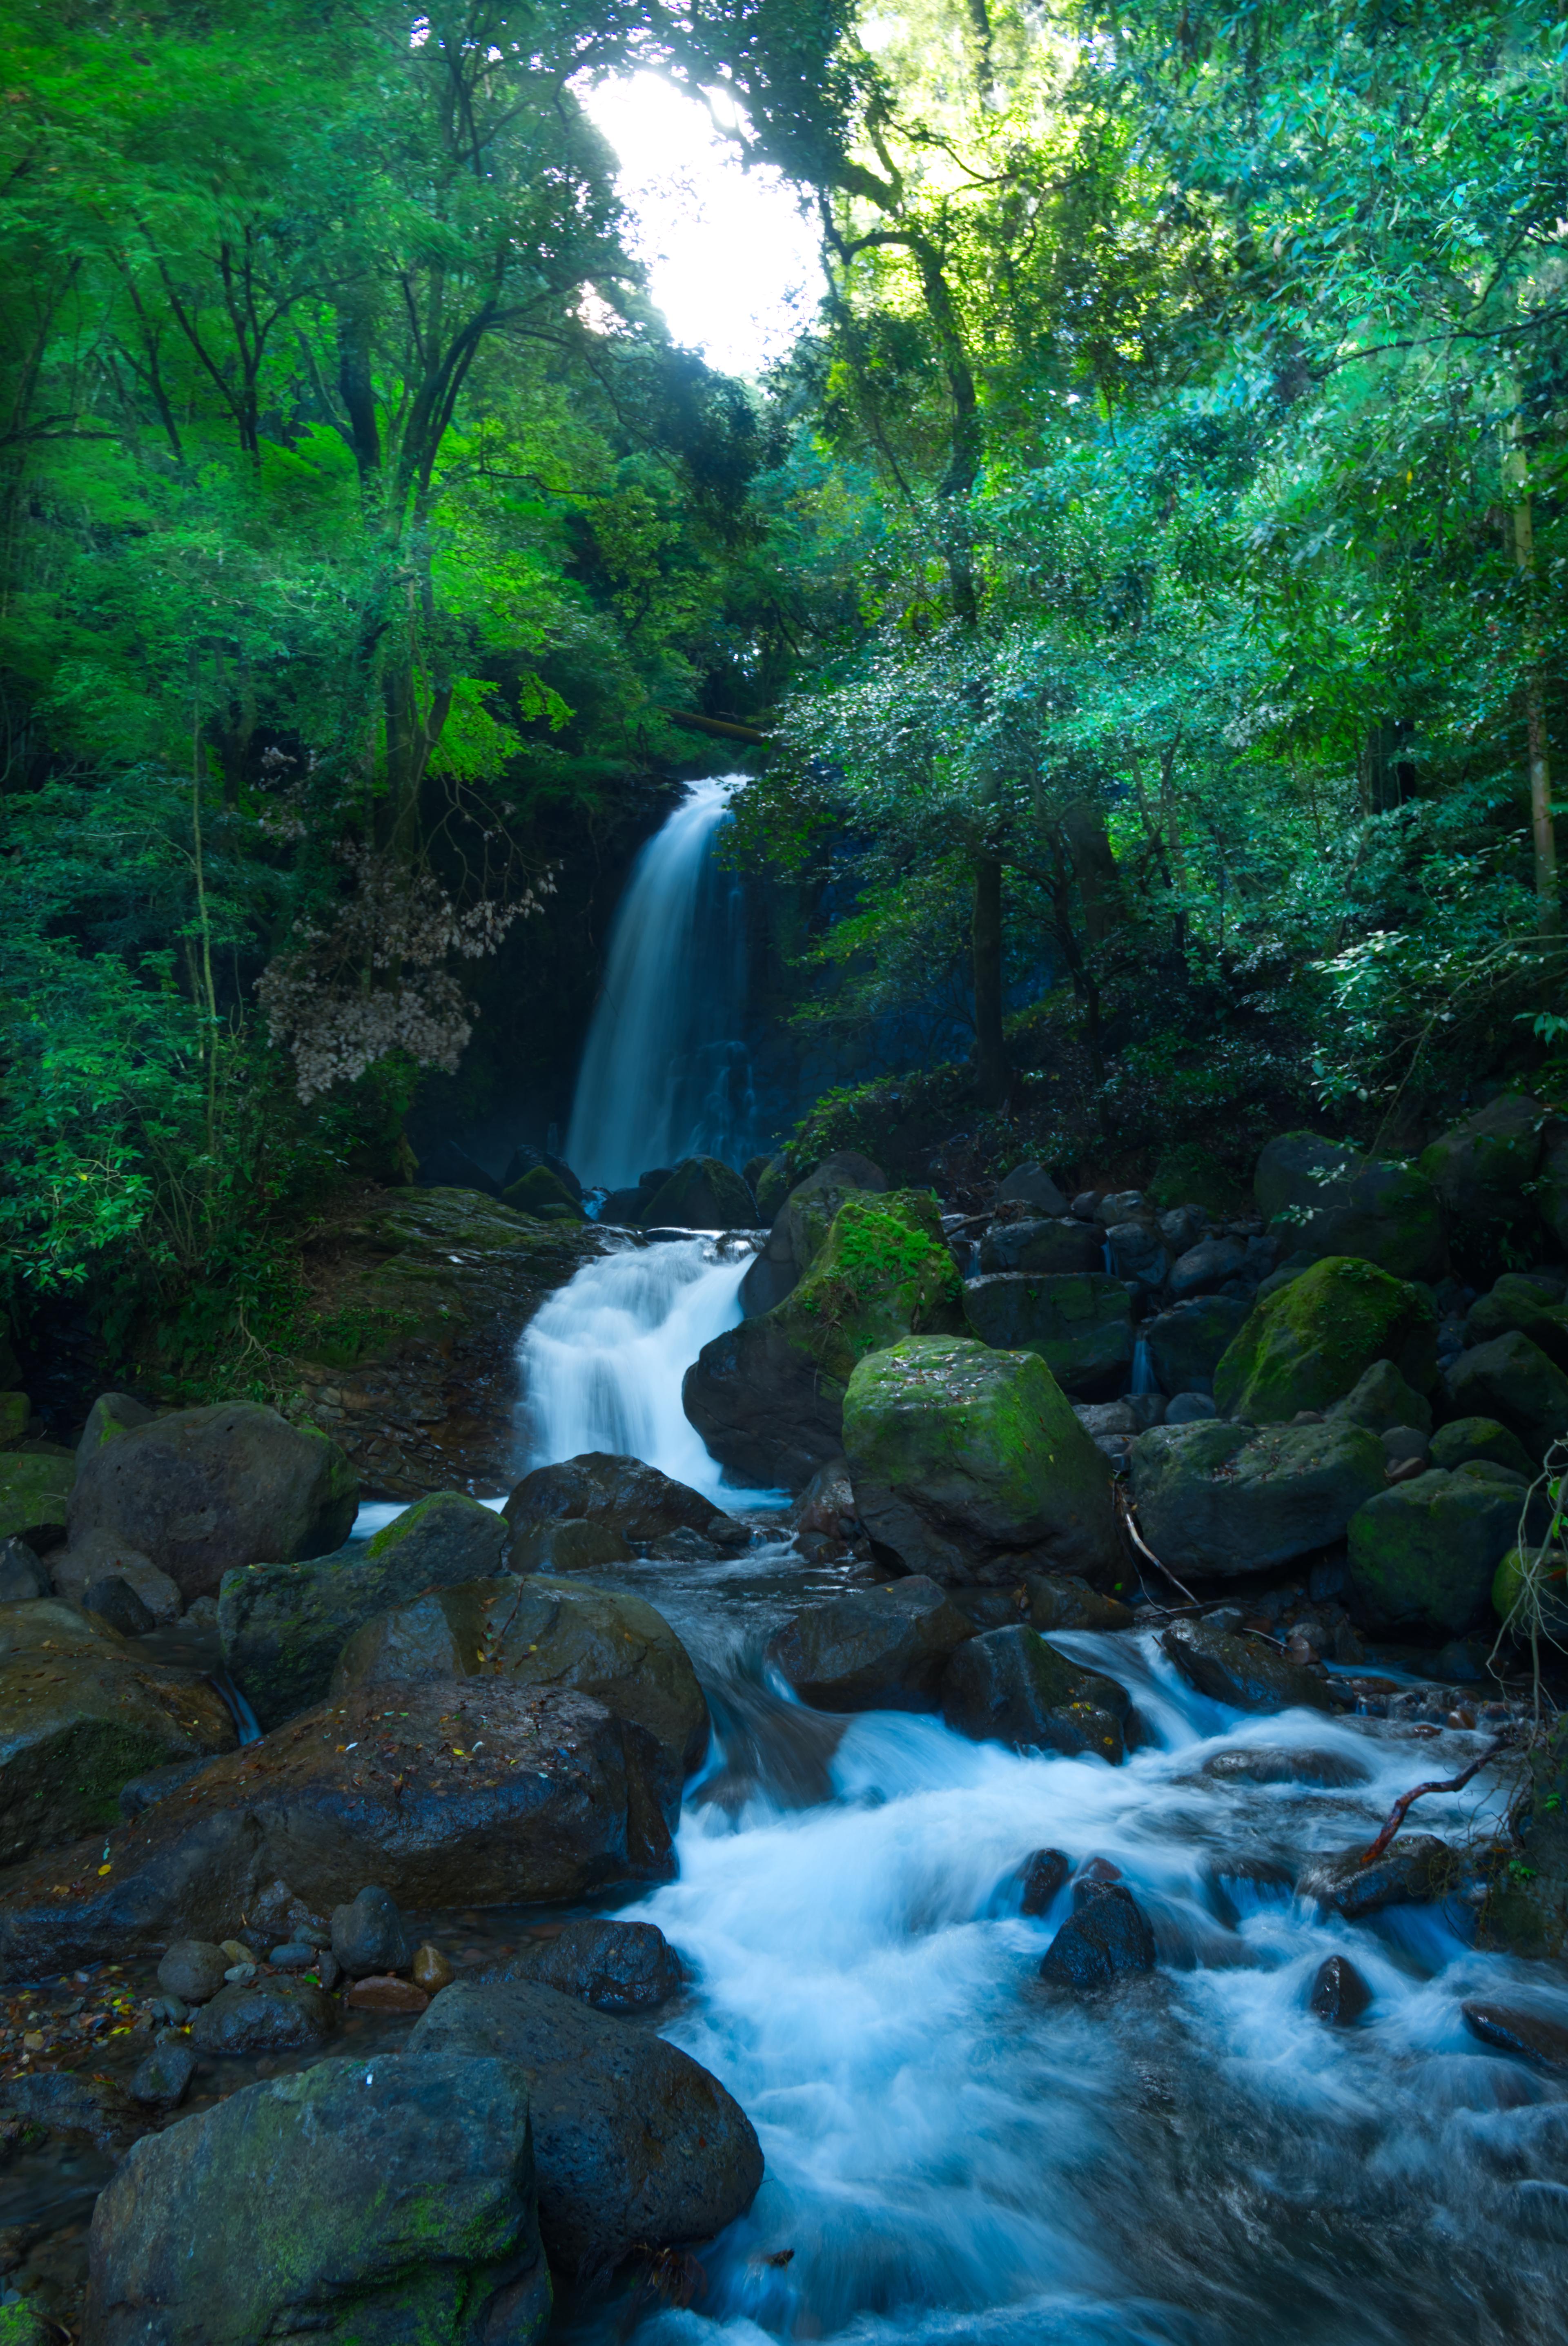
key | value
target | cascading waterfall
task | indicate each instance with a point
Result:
(665, 1073)
(603, 1359)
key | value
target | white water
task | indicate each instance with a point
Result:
(957, 2154)
(665, 1075)
(603, 1360)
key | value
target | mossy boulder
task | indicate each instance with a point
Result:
(1188, 1342)
(1043, 1246)
(1547, 1574)
(34, 1490)
(283, 1625)
(970, 1465)
(81, 1712)
(1523, 1305)
(1480, 1169)
(544, 1194)
(201, 1490)
(773, 1186)
(372, 2202)
(767, 1397)
(703, 1193)
(1526, 1905)
(1010, 1686)
(1307, 1345)
(1380, 1400)
(1079, 1324)
(1219, 1500)
(1511, 1379)
(1318, 1196)
(1481, 1438)
(800, 1228)
(1424, 1553)
(544, 1633)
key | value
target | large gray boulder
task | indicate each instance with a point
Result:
(701, 1193)
(1480, 1169)
(283, 1625)
(617, 1494)
(635, 2144)
(368, 2202)
(82, 1712)
(544, 1633)
(1242, 1671)
(970, 1466)
(1522, 1303)
(204, 1490)
(1322, 1197)
(1185, 1343)
(874, 1648)
(1030, 1184)
(1424, 1553)
(480, 1794)
(1221, 1500)
(1079, 1324)
(1042, 1246)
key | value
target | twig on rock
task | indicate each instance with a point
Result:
(1401, 1807)
(1125, 1510)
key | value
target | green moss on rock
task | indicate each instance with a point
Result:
(885, 1270)
(1308, 1345)
(544, 1194)
(34, 1491)
(1423, 1555)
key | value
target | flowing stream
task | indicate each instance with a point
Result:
(957, 2153)
(665, 1073)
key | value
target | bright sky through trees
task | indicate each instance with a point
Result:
(732, 258)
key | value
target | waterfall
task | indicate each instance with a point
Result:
(1143, 1378)
(666, 1074)
(603, 1360)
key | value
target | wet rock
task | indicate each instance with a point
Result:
(827, 1504)
(1080, 1325)
(369, 1936)
(1010, 1686)
(1053, 1603)
(114, 1602)
(162, 2078)
(203, 1490)
(613, 1966)
(1530, 2036)
(192, 1969)
(1241, 1671)
(1413, 1869)
(1465, 1439)
(702, 1193)
(1480, 1167)
(1221, 1500)
(112, 1413)
(264, 2015)
(1525, 1908)
(430, 1969)
(1513, 1381)
(1186, 1342)
(23, 1575)
(1138, 1254)
(1322, 1197)
(283, 1625)
(620, 1494)
(473, 1794)
(1407, 1450)
(98, 1557)
(800, 1223)
(1205, 1267)
(1260, 1764)
(542, 1194)
(371, 2200)
(1190, 1409)
(87, 2109)
(1308, 1345)
(276, 1912)
(1041, 1248)
(544, 1632)
(572, 1544)
(34, 1490)
(767, 1397)
(293, 1955)
(1030, 1184)
(874, 1648)
(1424, 1553)
(1340, 1996)
(969, 1465)
(81, 1713)
(1105, 1939)
(1041, 1876)
(635, 2142)
(384, 1991)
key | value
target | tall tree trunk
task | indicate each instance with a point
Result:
(992, 1074)
(1094, 867)
(1544, 835)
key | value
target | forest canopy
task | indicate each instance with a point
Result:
(1143, 582)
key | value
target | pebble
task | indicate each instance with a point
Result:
(163, 2080)
(192, 1969)
(239, 1974)
(384, 1992)
(432, 1971)
(294, 1957)
(1339, 1994)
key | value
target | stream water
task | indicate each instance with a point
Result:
(957, 2154)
